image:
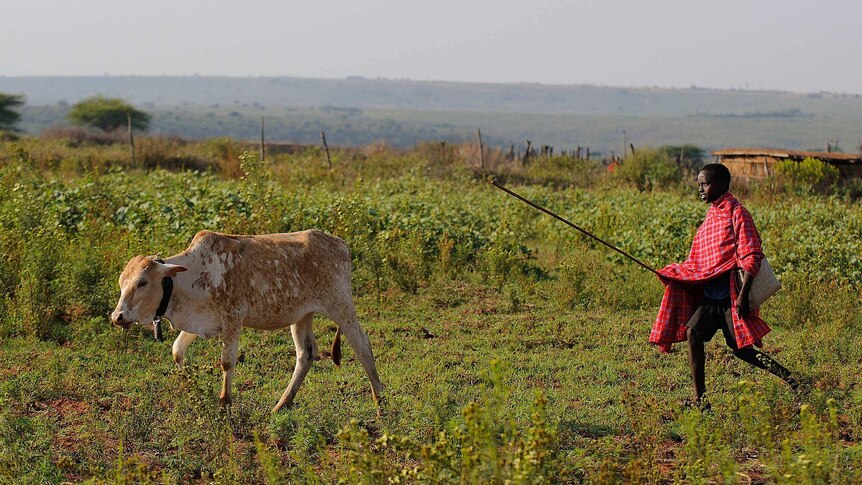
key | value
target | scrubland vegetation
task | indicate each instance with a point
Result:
(513, 350)
(357, 112)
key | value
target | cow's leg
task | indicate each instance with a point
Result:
(180, 345)
(358, 340)
(306, 349)
(230, 344)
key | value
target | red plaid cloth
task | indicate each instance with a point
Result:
(726, 240)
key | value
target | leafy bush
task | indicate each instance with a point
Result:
(650, 168)
(706, 454)
(36, 307)
(168, 153)
(484, 447)
(25, 450)
(689, 158)
(562, 171)
(588, 280)
(807, 176)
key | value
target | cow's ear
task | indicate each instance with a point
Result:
(173, 269)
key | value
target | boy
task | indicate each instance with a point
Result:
(701, 296)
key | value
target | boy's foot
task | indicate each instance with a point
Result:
(801, 386)
(702, 404)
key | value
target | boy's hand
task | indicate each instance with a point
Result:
(743, 307)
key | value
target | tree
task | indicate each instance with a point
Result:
(649, 167)
(689, 158)
(8, 116)
(107, 114)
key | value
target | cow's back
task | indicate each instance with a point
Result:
(272, 275)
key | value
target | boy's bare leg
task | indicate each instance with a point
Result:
(763, 361)
(696, 360)
(757, 358)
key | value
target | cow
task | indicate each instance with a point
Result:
(222, 283)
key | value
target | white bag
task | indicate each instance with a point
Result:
(765, 285)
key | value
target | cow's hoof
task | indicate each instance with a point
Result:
(381, 407)
(280, 407)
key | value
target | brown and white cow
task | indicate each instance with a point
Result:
(222, 283)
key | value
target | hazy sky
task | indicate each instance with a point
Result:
(756, 44)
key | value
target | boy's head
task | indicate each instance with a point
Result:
(713, 181)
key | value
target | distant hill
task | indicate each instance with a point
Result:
(404, 112)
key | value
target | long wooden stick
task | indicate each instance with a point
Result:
(583, 231)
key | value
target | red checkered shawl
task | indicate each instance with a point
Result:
(727, 239)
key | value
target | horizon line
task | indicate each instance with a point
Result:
(692, 87)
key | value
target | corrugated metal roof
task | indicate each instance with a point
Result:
(777, 153)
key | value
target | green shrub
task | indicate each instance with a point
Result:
(706, 454)
(484, 447)
(807, 176)
(650, 168)
(25, 449)
(811, 455)
(588, 280)
(689, 158)
(36, 308)
(563, 171)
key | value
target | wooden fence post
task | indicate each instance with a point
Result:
(326, 149)
(131, 139)
(262, 150)
(481, 149)
(623, 153)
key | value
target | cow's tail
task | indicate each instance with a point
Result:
(336, 348)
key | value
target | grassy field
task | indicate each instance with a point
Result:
(511, 348)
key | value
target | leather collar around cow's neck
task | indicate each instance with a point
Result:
(167, 290)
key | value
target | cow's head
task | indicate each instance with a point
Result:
(141, 289)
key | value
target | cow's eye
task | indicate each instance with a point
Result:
(142, 284)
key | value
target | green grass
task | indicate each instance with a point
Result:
(510, 347)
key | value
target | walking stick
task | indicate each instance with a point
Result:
(583, 231)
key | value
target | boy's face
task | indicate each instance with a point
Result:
(708, 190)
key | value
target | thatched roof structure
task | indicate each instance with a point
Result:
(757, 163)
